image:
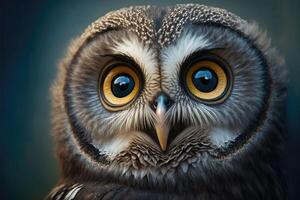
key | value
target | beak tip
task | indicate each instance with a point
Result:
(162, 134)
(163, 147)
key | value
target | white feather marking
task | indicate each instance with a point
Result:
(72, 193)
(143, 55)
(113, 147)
(119, 143)
(220, 136)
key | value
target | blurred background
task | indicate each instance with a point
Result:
(34, 36)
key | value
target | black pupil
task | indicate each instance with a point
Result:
(205, 79)
(122, 85)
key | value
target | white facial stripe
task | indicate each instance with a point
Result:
(220, 137)
(143, 55)
(174, 55)
(113, 146)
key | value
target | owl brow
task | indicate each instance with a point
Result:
(127, 59)
(199, 52)
(121, 57)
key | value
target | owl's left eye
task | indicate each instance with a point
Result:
(120, 86)
(208, 79)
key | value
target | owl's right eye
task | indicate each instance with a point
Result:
(120, 85)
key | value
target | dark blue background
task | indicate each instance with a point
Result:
(35, 35)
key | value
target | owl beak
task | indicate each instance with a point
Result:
(162, 103)
(162, 129)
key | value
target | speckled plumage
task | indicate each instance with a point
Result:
(104, 154)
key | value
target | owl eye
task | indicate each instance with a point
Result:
(120, 85)
(207, 80)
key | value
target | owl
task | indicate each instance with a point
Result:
(180, 102)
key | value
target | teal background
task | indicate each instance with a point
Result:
(35, 35)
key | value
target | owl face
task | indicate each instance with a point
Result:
(161, 95)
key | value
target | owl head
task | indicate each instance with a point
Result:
(178, 98)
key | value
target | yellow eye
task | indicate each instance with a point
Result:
(207, 81)
(120, 86)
